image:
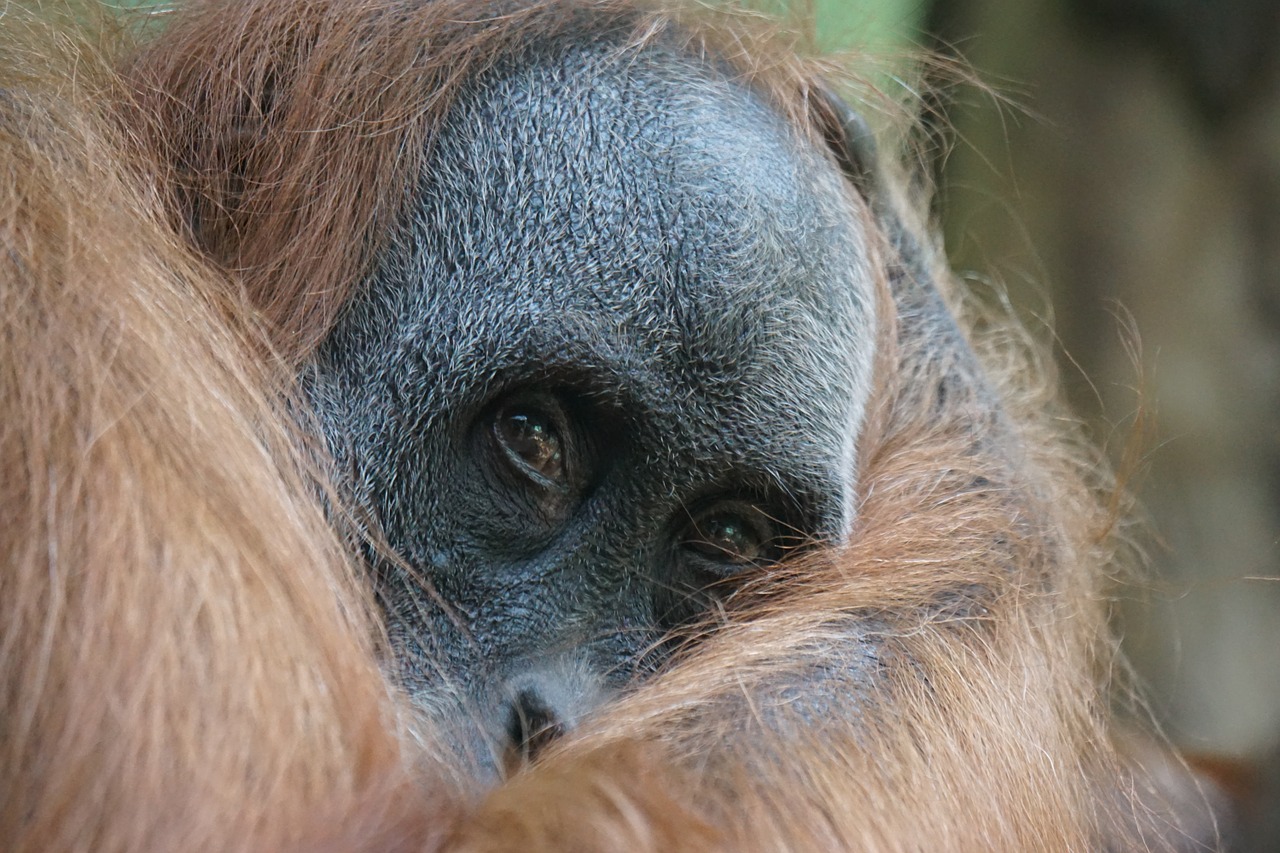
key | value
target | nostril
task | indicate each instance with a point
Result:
(531, 725)
(540, 704)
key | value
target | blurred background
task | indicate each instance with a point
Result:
(1123, 184)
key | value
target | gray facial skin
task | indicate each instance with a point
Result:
(624, 258)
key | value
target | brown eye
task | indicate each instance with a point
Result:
(730, 537)
(531, 441)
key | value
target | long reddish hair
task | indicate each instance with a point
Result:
(186, 647)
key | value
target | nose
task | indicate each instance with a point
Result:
(532, 724)
(540, 706)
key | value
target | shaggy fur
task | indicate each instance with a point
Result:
(187, 652)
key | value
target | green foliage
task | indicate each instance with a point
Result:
(877, 25)
(874, 24)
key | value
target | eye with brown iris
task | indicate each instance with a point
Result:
(531, 442)
(729, 537)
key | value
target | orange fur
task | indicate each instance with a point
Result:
(186, 659)
(187, 656)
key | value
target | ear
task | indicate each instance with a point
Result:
(852, 144)
(848, 137)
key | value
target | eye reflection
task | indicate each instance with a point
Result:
(733, 537)
(531, 442)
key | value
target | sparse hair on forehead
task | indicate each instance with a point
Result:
(284, 90)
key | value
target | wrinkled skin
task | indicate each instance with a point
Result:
(617, 357)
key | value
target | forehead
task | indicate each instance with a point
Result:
(640, 176)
